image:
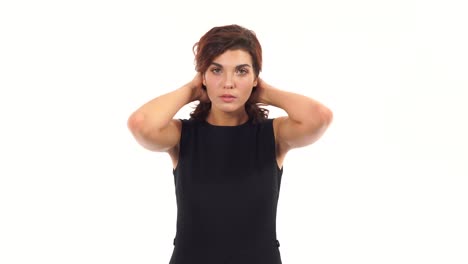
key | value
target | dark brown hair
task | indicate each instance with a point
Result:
(215, 42)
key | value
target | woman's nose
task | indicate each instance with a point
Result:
(228, 81)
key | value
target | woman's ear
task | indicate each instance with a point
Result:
(204, 81)
(255, 83)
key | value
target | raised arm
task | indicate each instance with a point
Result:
(153, 125)
(307, 118)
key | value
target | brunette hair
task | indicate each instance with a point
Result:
(215, 42)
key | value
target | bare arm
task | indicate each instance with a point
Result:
(307, 118)
(153, 125)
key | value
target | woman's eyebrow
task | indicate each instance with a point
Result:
(243, 65)
(217, 64)
(238, 66)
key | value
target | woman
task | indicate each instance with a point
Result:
(228, 157)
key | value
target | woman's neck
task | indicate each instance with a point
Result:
(227, 119)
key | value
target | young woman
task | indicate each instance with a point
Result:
(228, 156)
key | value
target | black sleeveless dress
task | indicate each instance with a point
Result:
(227, 185)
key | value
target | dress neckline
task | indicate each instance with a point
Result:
(219, 126)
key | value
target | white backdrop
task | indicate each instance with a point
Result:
(386, 184)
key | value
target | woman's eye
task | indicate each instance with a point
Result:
(216, 70)
(242, 71)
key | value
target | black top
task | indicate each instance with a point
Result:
(227, 185)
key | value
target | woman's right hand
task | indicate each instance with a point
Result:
(198, 93)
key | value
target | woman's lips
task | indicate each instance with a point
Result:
(227, 98)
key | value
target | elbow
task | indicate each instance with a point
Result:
(145, 134)
(135, 122)
(326, 115)
(320, 118)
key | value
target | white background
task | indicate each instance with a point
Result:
(387, 183)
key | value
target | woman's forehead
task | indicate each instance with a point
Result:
(233, 58)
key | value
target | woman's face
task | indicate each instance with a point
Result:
(229, 80)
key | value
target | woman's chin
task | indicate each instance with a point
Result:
(231, 108)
